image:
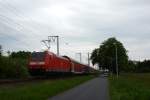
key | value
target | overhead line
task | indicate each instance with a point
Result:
(8, 6)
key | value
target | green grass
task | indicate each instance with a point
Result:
(41, 90)
(130, 87)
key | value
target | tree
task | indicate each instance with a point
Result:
(94, 56)
(20, 54)
(132, 66)
(8, 52)
(0, 50)
(143, 66)
(105, 55)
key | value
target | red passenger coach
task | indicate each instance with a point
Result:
(76, 67)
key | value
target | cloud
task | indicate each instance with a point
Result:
(80, 23)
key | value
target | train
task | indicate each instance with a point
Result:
(47, 62)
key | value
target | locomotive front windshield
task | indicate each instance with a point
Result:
(38, 56)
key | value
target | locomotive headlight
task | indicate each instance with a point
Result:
(32, 63)
(41, 63)
(37, 63)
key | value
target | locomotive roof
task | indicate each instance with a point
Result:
(51, 53)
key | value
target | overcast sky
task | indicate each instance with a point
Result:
(81, 24)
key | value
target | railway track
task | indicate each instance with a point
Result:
(10, 81)
(32, 79)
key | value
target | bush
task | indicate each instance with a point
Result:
(13, 68)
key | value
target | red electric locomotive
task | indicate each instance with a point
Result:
(48, 62)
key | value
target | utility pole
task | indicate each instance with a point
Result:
(116, 59)
(0, 50)
(51, 39)
(117, 62)
(80, 56)
(57, 45)
(88, 59)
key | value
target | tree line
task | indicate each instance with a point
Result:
(139, 66)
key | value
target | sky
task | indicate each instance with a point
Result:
(82, 25)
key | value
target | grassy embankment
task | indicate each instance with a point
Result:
(41, 90)
(130, 87)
